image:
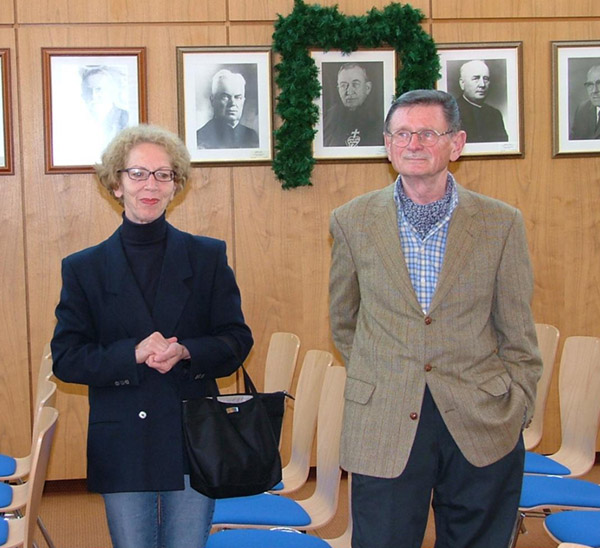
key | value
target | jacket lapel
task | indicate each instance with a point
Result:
(384, 231)
(126, 301)
(461, 238)
(173, 292)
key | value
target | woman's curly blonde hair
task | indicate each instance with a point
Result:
(116, 153)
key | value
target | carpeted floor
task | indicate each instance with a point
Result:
(75, 518)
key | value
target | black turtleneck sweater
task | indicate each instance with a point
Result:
(144, 246)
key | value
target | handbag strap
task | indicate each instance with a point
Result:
(249, 387)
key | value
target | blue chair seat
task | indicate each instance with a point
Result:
(558, 491)
(263, 538)
(6, 494)
(3, 531)
(577, 526)
(260, 509)
(540, 464)
(8, 465)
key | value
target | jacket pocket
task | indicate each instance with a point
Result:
(498, 385)
(358, 391)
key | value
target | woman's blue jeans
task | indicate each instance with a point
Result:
(165, 519)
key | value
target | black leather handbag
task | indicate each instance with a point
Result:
(232, 441)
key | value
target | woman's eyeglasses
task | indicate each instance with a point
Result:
(142, 174)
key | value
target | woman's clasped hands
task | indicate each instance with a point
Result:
(160, 353)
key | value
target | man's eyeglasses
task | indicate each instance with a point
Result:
(355, 85)
(591, 85)
(143, 174)
(427, 137)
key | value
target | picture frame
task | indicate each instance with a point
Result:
(89, 94)
(486, 81)
(576, 129)
(351, 118)
(6, 153)
(234, 124)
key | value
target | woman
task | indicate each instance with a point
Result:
(147, 318)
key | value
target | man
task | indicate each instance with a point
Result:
(103, 117)
(224, 130)
(482, 122)
(586, 124)
(354, 121)
(430, 286)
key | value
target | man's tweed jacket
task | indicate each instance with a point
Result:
(475, 348)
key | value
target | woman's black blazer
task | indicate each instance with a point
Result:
(135, 438)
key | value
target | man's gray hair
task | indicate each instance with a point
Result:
(427, 97)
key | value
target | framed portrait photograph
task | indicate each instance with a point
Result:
(576, 98)
(6, 159)
(357, 89)
(486, 81)
(225, 103)
(89, 96)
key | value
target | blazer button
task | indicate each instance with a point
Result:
(142, 414)
(428, 367)
(428, 320)
(414, 416)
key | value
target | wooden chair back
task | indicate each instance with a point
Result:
(46, 398)
(280, 362)
(547, 336)
(45, 371)
(322, 504)
(304, 421)
(578, 389)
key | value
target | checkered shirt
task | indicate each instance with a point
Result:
(425, 254)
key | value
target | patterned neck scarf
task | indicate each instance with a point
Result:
(423, 217)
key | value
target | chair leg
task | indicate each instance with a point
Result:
(45, 533)
(517, 530)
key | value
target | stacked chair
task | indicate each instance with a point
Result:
(547, 336)
(552, 483)
(27, 496)
(280, 362)
(17, 468)
(282, 537)
(304, 421)
(579, 376)
(244, 521)
(16, 472)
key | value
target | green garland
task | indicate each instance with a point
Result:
(398, 26)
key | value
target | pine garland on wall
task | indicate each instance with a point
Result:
(313, 26)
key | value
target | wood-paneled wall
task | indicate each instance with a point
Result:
(278, 240)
